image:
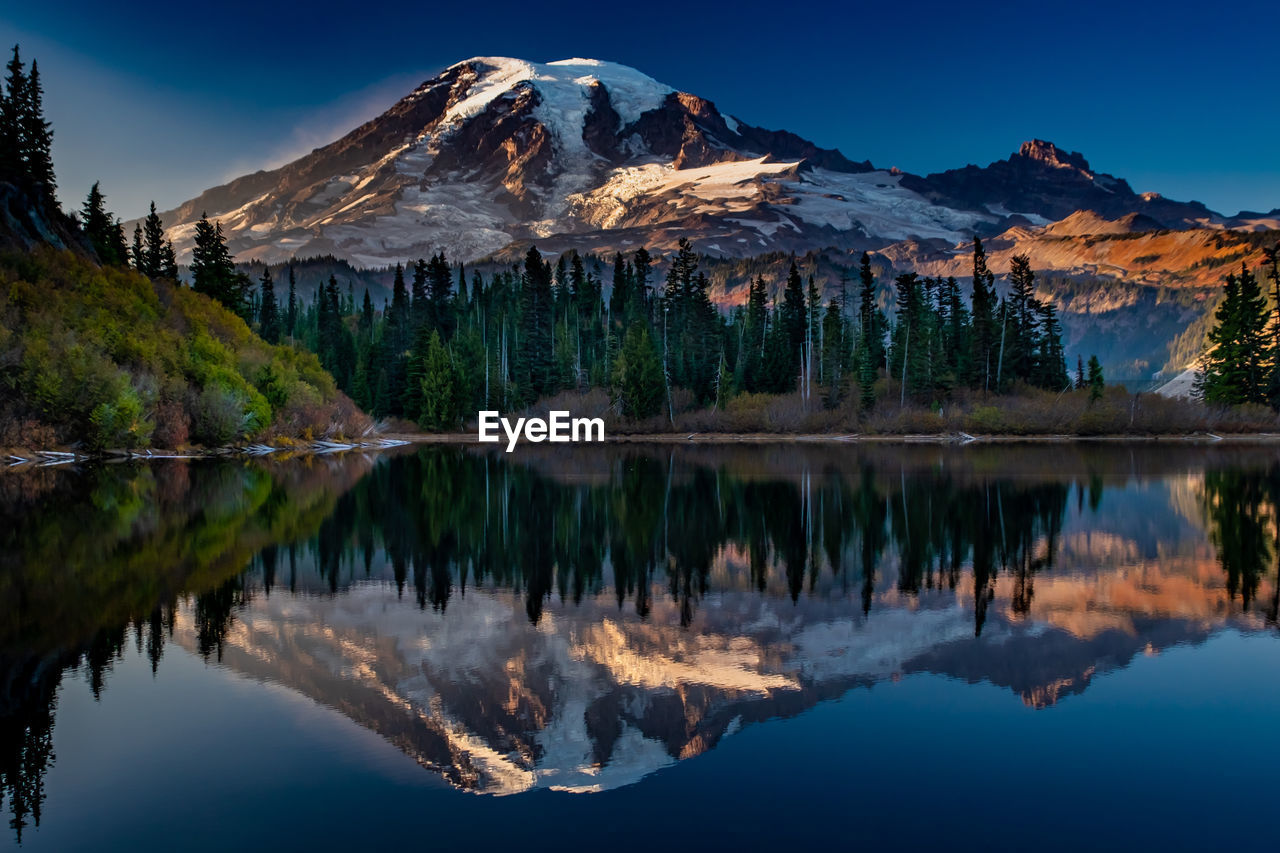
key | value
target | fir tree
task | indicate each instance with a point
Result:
(1240, 356)
(1096, 382)
(871, 322)
(834, 347)
(1022, 335)
(102, 230)
(268, 310)
(985, 338)
(291, 309)
(36, 136)
(755, 325)
(212, 271)
(13, 109)
(535, 376)
(637, 376)
(439, 387)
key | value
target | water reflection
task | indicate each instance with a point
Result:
(578, 619)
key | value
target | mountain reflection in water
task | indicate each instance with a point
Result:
(576, 619)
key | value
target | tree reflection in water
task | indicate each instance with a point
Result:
(95, 560)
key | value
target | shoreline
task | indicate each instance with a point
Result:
(963, 439)
(24, 458)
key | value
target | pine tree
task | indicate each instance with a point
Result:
(535, 376)
(397, 338)
(755, 324)
(37, 136)
(834, 347)
(13, 107)
(291, 311)
(793, 317)
(137, 253)
(985, 338)
(871, 321)
(637, 376)
(268, 310)
(213, 273)
(440, 297)
(1238, 364)
(1022, 336)
(1080, 383)
(957, 331)
(419, 311)
(1051, 361)
(439, 388)
(102, 230)
(153, 245)
(1097, 384)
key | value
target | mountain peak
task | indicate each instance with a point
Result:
(564, 85)
(1045, 152)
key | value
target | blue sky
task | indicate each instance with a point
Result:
(164, 100)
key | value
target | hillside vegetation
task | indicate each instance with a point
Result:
(106, 358)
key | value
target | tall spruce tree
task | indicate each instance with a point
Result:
(37, 137)
(291, 308)
(13, 109)
(985, 339)
(1241, 356)
(101, 229)
(268, 309)
(213, 273)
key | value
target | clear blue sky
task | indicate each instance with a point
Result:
(163, 100)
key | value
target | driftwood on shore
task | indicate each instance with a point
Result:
(48, 458)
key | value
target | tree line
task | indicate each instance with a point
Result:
(446, 344)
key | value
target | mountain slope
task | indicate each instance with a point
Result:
(497, 152)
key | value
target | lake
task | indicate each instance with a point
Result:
(625, 647)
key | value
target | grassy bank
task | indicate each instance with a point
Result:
(1031, 413)
(104, 358)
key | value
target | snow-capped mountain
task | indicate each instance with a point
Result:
(496, 153)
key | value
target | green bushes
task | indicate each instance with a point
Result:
(108, 358)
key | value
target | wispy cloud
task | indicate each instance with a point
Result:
(327, 124)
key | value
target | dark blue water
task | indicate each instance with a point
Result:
(627, 649)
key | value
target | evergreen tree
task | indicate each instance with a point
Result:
(103, 231)
(268, 310)
(794, 317)
(1097, 384)
(985, 338)
(13, 109)
(439, 389)
(1240, 357)
(755, 325)
(535, 376)
(440, 297)
(291, 309)
(397, 338)
(153, 235)
(1051, 361)
(871, 321)
(212, 271)
(137, 254)
(834, 347)
(36, 136)
(637, 376)
(1021, 339)
(957, 331)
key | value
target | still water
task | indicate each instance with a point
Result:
(746, 647)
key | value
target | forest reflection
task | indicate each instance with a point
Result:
(99, 561)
